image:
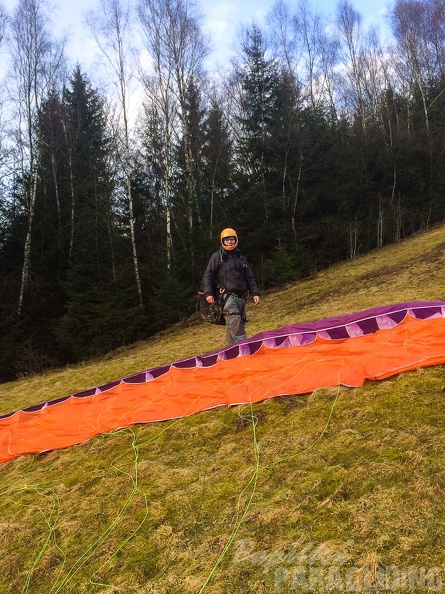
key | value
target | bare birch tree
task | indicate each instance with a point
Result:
(283, 38)
(177, 47)
(437, 33)
(112, 29)
(3, 31)
(300, 41)
(317, 50)
(349, 24)
(161, 108)
(37, 60)
(419, 29)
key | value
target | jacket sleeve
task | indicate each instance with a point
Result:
(250, 280)
(209, 279)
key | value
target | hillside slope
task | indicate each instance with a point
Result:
(340, 489)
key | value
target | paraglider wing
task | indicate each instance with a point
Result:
(347, 350)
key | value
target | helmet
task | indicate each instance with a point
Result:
(229, 233)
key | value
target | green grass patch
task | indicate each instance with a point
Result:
(239, 500)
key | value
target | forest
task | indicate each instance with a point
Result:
(317, 143)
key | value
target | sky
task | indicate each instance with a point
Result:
(222, 20)
(223, 17)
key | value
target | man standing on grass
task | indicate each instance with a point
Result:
(228, 276)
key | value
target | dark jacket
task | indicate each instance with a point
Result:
(229, 270)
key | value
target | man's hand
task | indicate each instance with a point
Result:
(256, 299)
(210, 299)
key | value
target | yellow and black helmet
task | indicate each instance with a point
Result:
(229, 233)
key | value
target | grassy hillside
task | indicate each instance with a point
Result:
(341, 489)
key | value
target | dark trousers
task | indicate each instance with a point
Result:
(235, 316)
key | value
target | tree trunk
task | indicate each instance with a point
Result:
(28, 240)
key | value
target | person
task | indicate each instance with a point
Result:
(229, 276)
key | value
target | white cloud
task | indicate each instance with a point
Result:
(222, 21)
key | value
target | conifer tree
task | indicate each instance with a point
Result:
(36, 64)
(260, 83)
(218, 186)
(102, 310)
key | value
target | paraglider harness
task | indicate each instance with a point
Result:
(213, 312)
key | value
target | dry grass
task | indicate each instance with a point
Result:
(243, 500)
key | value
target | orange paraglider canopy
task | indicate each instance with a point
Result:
(347, 350)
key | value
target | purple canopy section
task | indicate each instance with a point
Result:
(337, 328)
